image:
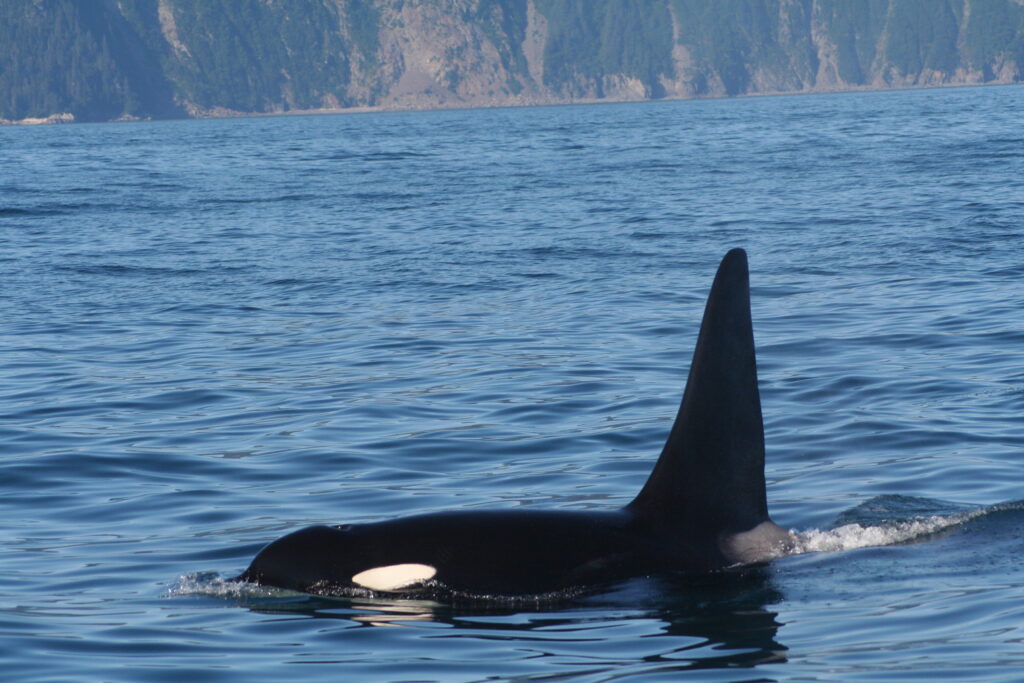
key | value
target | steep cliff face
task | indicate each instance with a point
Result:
(61, 57)
(451, 53)
(111, 59)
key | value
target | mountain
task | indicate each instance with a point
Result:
(101, 60)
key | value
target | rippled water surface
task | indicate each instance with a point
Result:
(215, 332)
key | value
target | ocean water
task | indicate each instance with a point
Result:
(216, 332)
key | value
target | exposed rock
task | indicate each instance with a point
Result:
(201, 58)
(64, 117)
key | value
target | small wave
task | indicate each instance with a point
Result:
(852, 536)
(117, 269)
(212, 584)
(18, 211)
(386, 196)
(393, 156)
(649, 235)
(863, 534)
(58, 208)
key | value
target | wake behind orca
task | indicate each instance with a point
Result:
(703, 508)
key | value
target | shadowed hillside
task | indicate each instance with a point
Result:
(106, 59)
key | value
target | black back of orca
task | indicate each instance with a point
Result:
(703, 508)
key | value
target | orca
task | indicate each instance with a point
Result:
(703, 508)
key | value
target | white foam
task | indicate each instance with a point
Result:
(212, 584)
(852, 536)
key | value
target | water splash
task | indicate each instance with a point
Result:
(883, 521)
(212, 584)
(852, 536)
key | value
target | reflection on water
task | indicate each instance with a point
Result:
(718, 621)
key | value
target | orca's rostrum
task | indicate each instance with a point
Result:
(703, 508)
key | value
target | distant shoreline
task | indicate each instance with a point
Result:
(224, 113)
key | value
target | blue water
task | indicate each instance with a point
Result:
(216, 332)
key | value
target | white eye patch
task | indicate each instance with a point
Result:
(394, 576)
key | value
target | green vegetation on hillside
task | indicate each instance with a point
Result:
(65, 56)
(255, 56)
(993, 35)
(107, 59)
(854, 29)
(591, 39)
(920, 35)
(504, 24)
(731, 40)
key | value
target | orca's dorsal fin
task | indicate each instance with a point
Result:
(709, 479)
